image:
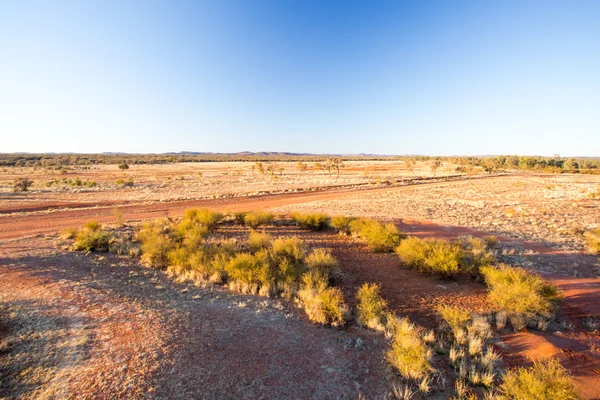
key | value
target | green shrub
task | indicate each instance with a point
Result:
(457, 318)
(200, 216)
(124, 183)
(91, 238)
(371, 307)
(258, 218)
(517, 291)
(592, 239)
(155, 243)
(380, 237)
(477, 253)
(321, 260)
(408, 355)
(324, 305)
(544, 380)
(259, 240)
(22, 184)
(311, 221)
(251, 273)
(342, 224)
(432, 256)
(291, 249)
(239, 217)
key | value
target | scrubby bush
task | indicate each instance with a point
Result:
(156, 243)
(371, 307)
(199, 216)
(519, 293)
(91, 238)
(592, 239)
(408, 355)
(311, 221)
(342, 224)
(380, 237)
(258, 218)
(251, 273)
(457, 318)
(324, 305)
(259, 240)
(240, 216)
(291, 249)
(124, 182)
(22, 184)
(430, 255)
(477, 252)
(544, 380)
(322, 261)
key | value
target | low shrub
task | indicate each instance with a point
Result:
(123, 183)
(409, 355)
(324, 305)
(91, 238)
(519, 292)
(259, 240)
(322, 261)
(432, 256)
(199, 216)
(371, 307)
(457, 318)
(251, 273)
(592, 239)
(239, 217)
(291, 249)
(342, 224)
(544, 380)
(380, 237)
(477, 252)
(258, 218)
(22, 184)
(311, 221)
(155, 243)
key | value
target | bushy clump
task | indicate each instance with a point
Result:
(592, 239)
(371, 307)
(544, 380)
(156, 243)
(125, 182)
(311, 221)
(322, 261)
(291, 249)
(200, 216)
(408, 355)
(477, 253)
(258, 218)
(251, 273)
(240, 216)
(22, 184)
(519, 292)
(342, 224)
(457, 318)
(430, 255)
(91, 238)
(380, 237)
(323, 304)
(259, 240)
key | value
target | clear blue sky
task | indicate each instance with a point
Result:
(387, 77)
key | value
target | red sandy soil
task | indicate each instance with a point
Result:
(408, 292)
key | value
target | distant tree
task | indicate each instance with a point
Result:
(319, 167)
(301, 166)
(435, 165)
(124, 166)
(410, 165)
(571, 164)
(260, 168)
(280, 169)
(22, 184)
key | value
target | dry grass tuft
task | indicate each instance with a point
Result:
(380, 237)
(371, 307)
(408, 355)
(311, 221)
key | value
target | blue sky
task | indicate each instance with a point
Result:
(387, 77)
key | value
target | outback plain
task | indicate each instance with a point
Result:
(400, 278)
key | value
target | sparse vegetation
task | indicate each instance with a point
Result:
(592, 239)
(544, 380)
(342, 224)
(258, 218)
(519, 293)
(311, 221)
(90, 238)
(323, 304)
(371, 307)
(408, 355)
(380, 237)
(22, 184)
(457, 318)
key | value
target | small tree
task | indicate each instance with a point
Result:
(124, 166)
(260, 168)
(22, 184)
(410, 166)
(319, 167)
(435, 165)
(302, 167)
